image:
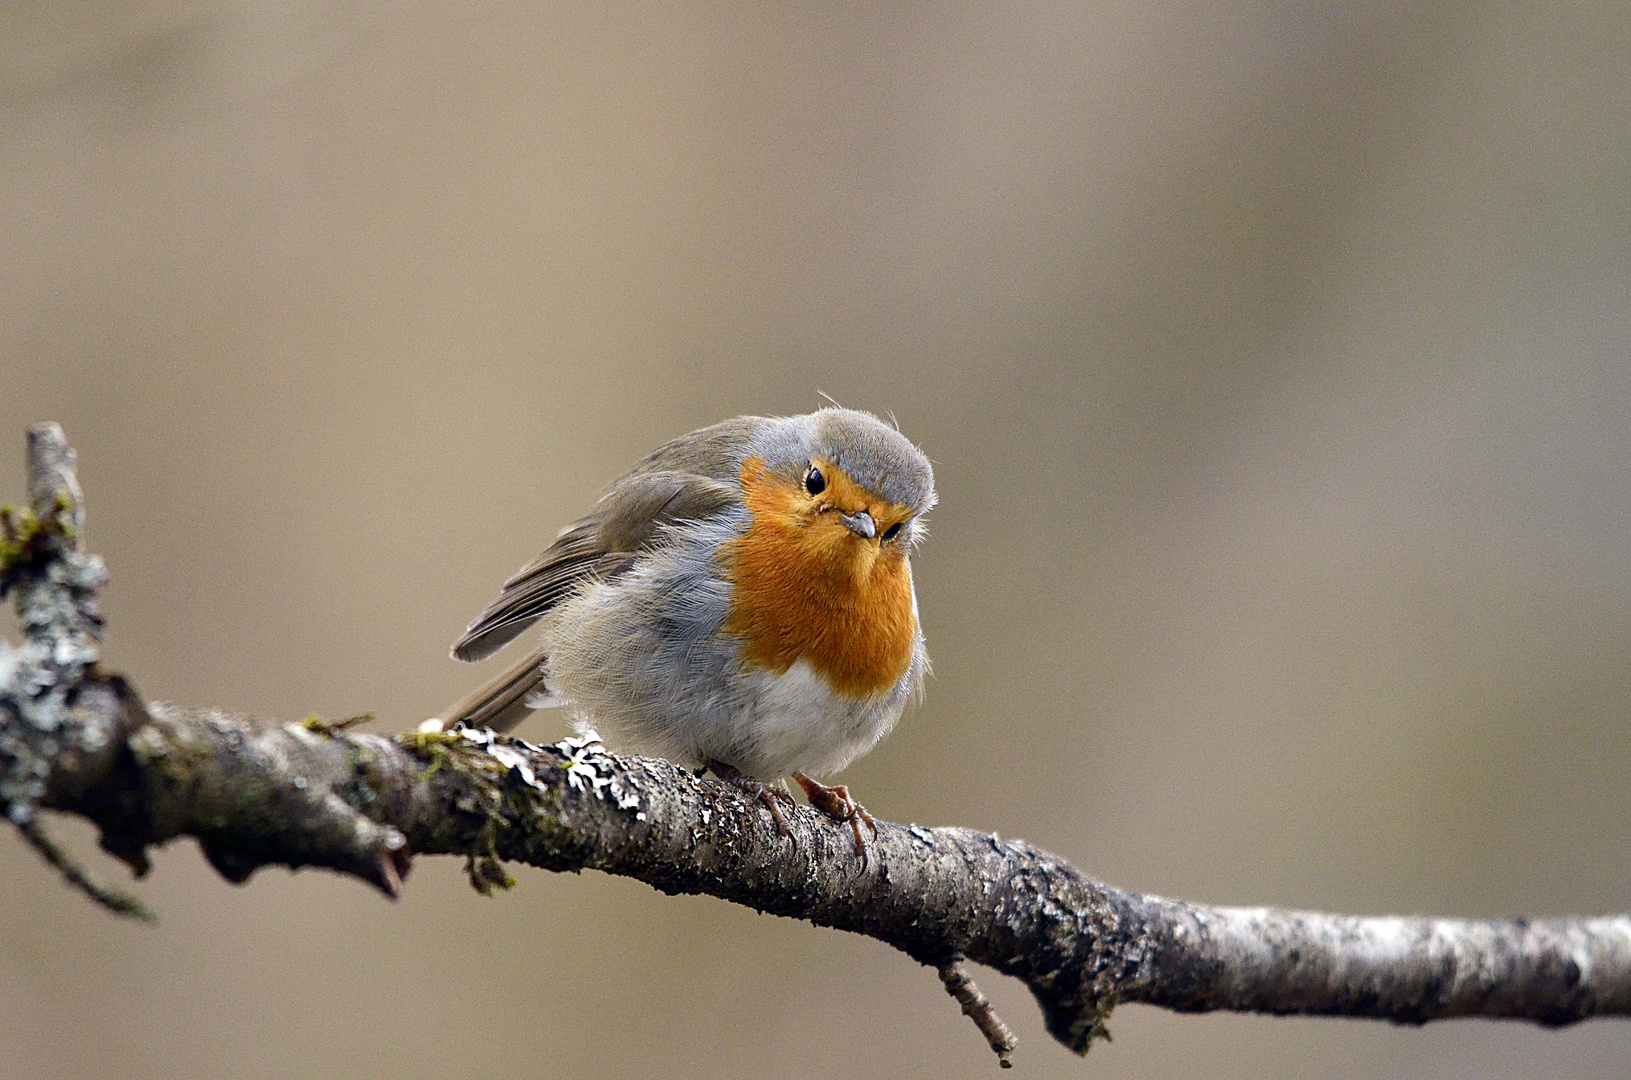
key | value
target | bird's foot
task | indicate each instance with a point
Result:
(770, 796)
(837, 804)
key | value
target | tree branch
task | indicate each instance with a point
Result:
(76, 739)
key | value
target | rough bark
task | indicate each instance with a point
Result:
(79, 740)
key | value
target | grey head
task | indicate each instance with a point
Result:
(872, 453)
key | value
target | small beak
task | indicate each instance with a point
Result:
(860, 524)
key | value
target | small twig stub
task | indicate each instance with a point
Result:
(977, 1008)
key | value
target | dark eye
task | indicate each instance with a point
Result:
(892, 532)
(814, 482)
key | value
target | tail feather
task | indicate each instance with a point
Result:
(502, 702)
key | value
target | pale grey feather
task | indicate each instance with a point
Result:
(625, 522)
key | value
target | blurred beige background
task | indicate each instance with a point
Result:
(1273, 358)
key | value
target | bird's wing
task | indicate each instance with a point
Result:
(713, 451)
(628, 520)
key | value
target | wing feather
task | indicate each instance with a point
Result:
(628, 521)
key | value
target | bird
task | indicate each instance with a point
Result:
(740, 601)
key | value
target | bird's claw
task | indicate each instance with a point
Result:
(770, 796)
(837, 803)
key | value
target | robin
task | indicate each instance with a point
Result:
(740, 600)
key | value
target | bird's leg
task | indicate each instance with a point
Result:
(771, 796)
(836, 803)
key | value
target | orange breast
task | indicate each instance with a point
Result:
(807, 588)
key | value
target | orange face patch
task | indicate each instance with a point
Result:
(806, 587)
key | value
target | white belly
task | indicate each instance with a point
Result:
(767, 726)
(793, 722)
